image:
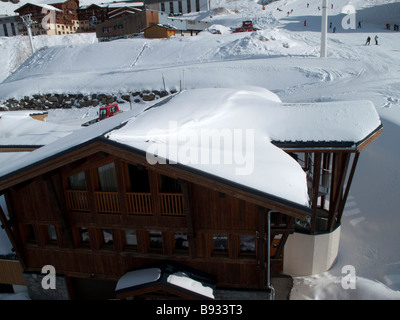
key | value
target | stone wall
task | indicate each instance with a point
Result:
(73, 100)
(37, 292)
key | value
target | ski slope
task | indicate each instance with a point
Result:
(282, 57)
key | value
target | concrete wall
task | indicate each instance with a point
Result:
(306, 254)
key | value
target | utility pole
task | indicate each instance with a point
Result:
(27, 19)
(324, 29)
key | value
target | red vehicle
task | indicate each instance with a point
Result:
(104, 113)
(247, 26)
(108, 111)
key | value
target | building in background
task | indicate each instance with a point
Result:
(9, 26)
(178, 7)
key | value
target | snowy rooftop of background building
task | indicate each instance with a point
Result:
(18, 129)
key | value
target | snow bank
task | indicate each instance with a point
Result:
(327, 287)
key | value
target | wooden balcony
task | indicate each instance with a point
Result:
(76, 200)
(171, 204)
(139, 203)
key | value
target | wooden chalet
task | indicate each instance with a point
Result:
(95, 209)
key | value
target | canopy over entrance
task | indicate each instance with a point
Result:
(166, 280)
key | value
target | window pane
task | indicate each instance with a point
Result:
(77, 181)
(84, 234)
(131, 239)
(247, 244)
(107, 179)
(181, 241)
(52, 233)
(170, 185)
(107, 236)
(220, 242)
(155, 240)
(139, 179)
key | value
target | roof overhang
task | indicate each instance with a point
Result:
(323, 146)
(167, 276)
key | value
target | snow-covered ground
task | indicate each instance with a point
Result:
(283, 57)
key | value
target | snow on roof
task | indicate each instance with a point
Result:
(182, 280)
(76, 138)
(17, 128)
(338, 121)
(226, 133)
(43, 5)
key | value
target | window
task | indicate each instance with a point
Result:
(77, 181)
(83, 235)
(180, 6)
(162, 7)
(189, 7)
(131, 239)
(107, 178)
(181, 242)
(51, 232)
(139, 178)
(220, 243)
(170, 185)
(107, 237)
(171, 7)
(155, 240)
(247, 244)
(197, 5)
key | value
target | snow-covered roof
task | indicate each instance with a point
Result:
(18, 129)
(43, 5)
(169, 274)
(226, 133)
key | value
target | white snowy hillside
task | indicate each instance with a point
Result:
(283, 56)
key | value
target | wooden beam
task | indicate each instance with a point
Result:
(315, 189)
(121, 185)
(65, 227)
(344, 162)
(261, 248)
(348, 185)
(189, 217)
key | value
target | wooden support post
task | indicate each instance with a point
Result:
(261, 240)
(121, 185)
(346, 193)
(341, 173)
(315, 189)
(189, 217)
(61, 214)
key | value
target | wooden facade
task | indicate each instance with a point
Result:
(158, 32)
(92, 229)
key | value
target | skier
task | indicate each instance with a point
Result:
(368, 41)
(359, 24)
(305, 23)
(376, 39)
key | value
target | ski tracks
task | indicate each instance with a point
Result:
(140, 54)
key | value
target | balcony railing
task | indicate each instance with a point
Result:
(171, 204)
(138, 203)
(107, 201)
(76, 200)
